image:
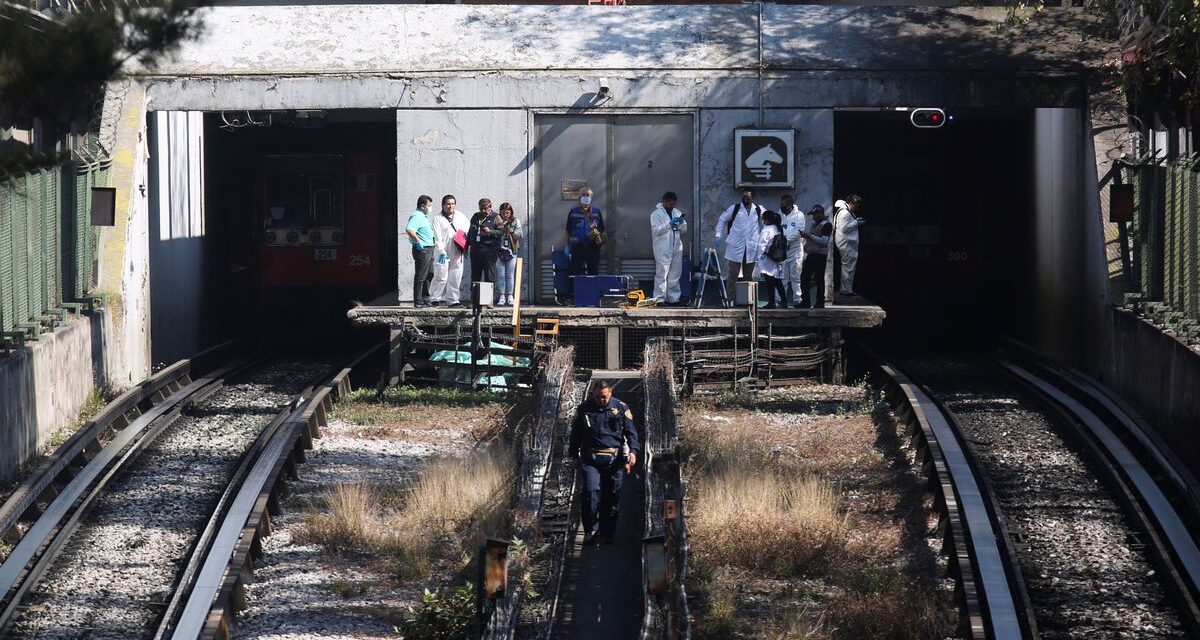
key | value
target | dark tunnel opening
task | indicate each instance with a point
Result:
(948, 244)
(304, 210)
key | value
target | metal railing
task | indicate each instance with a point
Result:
(48, 247)
(1165, 242)
(665, 546)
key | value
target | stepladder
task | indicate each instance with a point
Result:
(711, 270)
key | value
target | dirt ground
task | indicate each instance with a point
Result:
(884, 579)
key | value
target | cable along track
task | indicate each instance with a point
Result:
(104, 558)
(1091, 561)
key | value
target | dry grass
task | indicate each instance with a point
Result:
(897, 608)
(759, 520)
(444, 516)
(803, 527)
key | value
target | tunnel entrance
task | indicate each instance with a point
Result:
(948, 246)
(302, 207)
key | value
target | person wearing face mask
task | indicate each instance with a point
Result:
(584, 237)
(845, 240)
(667, 226)
(794, 221)
(420, 234)
(816, 251)
(738, 230)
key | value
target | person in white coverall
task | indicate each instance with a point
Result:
(845, 240)
(738, 229)
(667, 227)
(794, 221)
(448, 263)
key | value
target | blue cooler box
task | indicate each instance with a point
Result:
(589, 289)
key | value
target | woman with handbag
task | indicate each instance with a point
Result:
(510, 245)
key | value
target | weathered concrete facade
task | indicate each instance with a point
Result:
(468, 85)
(45, 385)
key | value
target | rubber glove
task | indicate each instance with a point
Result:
(442, 259)
(719, 242)
(567, 250)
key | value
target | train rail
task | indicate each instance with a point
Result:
(989, 590)
(130, 515)
(1091, 518)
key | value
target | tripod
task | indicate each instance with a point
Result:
(711, 263)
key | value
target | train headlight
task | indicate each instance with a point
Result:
(293, 237)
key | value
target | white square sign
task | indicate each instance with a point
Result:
(764, 157)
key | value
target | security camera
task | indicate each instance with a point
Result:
(604, 88)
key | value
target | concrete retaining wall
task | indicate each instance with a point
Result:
(44, 386)
(1159, 376)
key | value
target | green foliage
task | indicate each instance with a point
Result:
(55, 68)
(395, 405)
(1160, 41)
(1166, 55)
(442, 615)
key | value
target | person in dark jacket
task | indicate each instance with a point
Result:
(483, 243)
(605, 443)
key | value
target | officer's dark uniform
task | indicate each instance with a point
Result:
(596, 439)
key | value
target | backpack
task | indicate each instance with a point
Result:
(754, 208)
(777, 250)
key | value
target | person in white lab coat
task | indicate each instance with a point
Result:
(738, 230)
(448, 265)
(794, 222)
(845, 240)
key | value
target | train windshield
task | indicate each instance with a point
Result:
(304, 191)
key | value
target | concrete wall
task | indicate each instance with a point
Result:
(1068, 312)
(469, 154)
(125, 247)
(45, 385)
(814, 159)
(1158, 376)
(476, 153)
(176, 234)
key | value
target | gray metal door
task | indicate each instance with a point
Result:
(570, 150)
(653, 155)
(628, 161)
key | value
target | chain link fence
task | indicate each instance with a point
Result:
(1164, 237)
(48, 247)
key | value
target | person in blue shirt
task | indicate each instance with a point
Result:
(420, 235)
(585, 236)
(602, 432)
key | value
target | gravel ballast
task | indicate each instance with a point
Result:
(120, 567)
(300, 591)
(1086, 574)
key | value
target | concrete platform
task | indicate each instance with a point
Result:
(852, 314)
(607, 338)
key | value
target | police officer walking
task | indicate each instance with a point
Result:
(605, 442)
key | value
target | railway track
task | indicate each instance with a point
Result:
(1064, 516)
(138, 518)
